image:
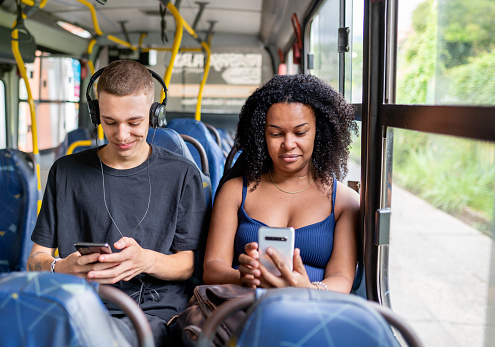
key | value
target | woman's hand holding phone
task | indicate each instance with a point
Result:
(296, 277)
(249, 266)
(284, 264)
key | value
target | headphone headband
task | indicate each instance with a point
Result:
(157, 110)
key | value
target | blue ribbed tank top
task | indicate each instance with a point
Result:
(315, 241)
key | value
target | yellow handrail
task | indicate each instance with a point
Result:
(34, 132)
(180, 24)
(92, 69)
(98, 31)
(167, 49)
(141, 38)
(93, 16)
(179, 28)
(32, 3)
(86, 143)
(122, 42)
(197, 116)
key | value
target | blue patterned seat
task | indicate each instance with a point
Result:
(79, 134)
(309, 317)
(199, 131)
(18, 206)
(171, 140)
(45, 309)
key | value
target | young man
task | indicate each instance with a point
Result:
(145, 201)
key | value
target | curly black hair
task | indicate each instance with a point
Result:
(334, 124)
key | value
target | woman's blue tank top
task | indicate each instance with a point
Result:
(315, 241)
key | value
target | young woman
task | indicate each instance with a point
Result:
(295, 133)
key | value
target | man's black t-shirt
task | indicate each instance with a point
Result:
(73, 210)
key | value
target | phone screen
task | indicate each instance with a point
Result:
(282, 240)
(89, 247)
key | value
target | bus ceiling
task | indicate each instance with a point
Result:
(261, 22)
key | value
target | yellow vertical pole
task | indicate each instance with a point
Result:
(197, 116)
(34, 131)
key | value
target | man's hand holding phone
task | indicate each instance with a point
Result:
(130, 261)
(86, 248)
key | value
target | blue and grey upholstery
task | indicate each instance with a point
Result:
(79, 134)
(227, 140)
(171, 140)
(313, 318)
(309, 317)
(18, 206)
(199, 131)
(45, 309)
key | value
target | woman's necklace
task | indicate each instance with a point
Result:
(285, 191)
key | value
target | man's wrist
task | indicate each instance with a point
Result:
(52, 265)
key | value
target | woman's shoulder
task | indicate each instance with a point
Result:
(231, 190)
(346, 197)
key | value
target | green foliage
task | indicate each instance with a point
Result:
(466, 28)
(472, 83)
(418, 57)
(451, 174)
(448, 56)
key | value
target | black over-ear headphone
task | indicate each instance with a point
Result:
(157, 110)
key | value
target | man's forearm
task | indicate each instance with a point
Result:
(174, 267)
(39, 261)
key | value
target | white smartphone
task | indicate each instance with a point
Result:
(282, 240)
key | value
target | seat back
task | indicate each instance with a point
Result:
(45, 309)
(303, 316)
(18, 206)
(227, 140)
(198, 130)
(79, 134)
(171, 140)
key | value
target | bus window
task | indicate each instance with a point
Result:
(323, 38)
(3, 118)
(354, 77)
(443, 190)
(445, 53)
(442, 213)
(324, 43)
(54, 84)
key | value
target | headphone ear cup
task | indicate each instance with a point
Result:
(94, 111)
(157, 115)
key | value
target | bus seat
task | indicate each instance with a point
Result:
(232, 157)
(198, 130)
(205, 168)
(309, 317)
(214, 132)
(171, 140)
(45, 309)
(226, 140)
(18, 209)
(79, 134)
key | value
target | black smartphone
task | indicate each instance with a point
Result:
(90, 247)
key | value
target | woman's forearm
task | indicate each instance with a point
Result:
(217, 272)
